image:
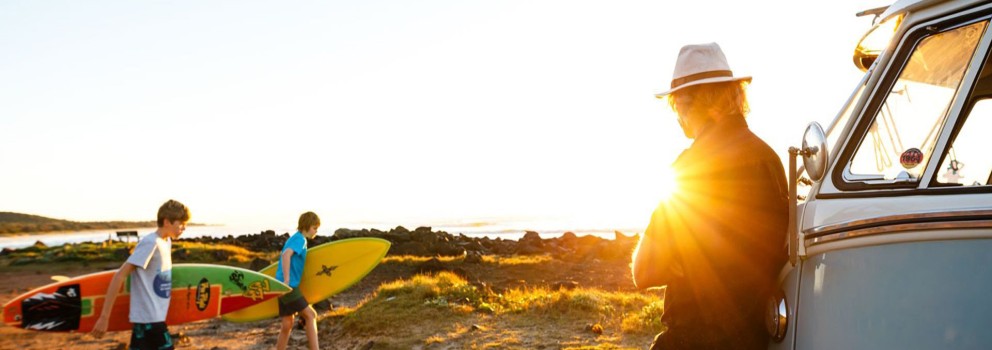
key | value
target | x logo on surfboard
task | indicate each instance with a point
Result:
(324, 270)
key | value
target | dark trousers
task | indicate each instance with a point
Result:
(691, 325)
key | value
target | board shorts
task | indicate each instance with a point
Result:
(292, 302)
(150, 336)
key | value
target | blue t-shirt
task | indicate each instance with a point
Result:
(298, 244)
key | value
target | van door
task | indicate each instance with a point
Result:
(900, 255)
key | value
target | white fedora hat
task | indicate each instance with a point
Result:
(700, 64)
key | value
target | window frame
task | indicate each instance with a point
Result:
(848, 183)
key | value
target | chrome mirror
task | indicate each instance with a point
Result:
(814, 151)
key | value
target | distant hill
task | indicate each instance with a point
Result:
(12, 223)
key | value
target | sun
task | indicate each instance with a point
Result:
(668, 184)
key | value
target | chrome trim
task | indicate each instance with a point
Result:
(902, 238)
(896, 228)
(777, 316)
(881, 221)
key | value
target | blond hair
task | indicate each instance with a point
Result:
(308, 220)
(725, 98)
(172, 210)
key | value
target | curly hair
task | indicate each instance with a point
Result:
(726, 98)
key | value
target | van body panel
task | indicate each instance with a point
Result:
(909, 295)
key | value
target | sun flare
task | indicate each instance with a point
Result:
(668, 184)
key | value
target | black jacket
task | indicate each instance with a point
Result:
(725, 227)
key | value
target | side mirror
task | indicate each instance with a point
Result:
(814, 151)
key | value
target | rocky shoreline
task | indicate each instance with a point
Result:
(423, 241)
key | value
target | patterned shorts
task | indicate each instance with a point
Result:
(150, 336)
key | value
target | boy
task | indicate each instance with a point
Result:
(150, 268)
(294, 255)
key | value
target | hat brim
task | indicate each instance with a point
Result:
(701, 82)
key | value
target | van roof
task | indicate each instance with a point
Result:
(903, 6)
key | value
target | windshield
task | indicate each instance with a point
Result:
(904, 131)
(834, 132)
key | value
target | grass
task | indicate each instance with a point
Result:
(514, 260)
(445, 310)
(117, 252)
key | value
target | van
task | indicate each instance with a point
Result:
(890, 242)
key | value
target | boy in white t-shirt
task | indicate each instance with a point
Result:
(150, 268)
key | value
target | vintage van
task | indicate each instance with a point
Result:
(891, 245)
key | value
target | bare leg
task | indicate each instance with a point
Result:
(310, 324)
(287, 326)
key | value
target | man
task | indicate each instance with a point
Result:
(718, 243)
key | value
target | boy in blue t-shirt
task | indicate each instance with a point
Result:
(291, 260)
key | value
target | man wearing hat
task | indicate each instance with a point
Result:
(718, 242)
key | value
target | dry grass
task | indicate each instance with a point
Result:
(111, 251)
(220, 253)
(444, 311)
(487, 259)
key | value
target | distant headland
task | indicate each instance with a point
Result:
(17, 223)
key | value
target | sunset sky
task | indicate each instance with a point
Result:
(412, 112)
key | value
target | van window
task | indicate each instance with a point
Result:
(903, 134)
(968, 162)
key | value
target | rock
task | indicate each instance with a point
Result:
(181, 338)
(473, 257)
(566, 285)
(476, 327)
(258, 264)
(368, 346)
(122, 253)
(595, 328)
(323, 305)
(7, 251)
(39, 245)
(410, 248)
(346, 233)
(529, 248)
(448, 250)
(222, 255)
(424, 235)
(531, 236)
(181, 254)
(396, 237)
(619, 237)
(473, 245)
(432, 266)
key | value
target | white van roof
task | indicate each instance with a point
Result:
(902, 6)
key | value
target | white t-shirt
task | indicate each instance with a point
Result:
(151, 281)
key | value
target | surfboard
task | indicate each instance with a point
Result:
(199, 292)
(329, 269)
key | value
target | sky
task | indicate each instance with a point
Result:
(407, 112)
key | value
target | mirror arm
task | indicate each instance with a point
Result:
(792, 231)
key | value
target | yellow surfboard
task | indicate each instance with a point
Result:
(330, 268)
